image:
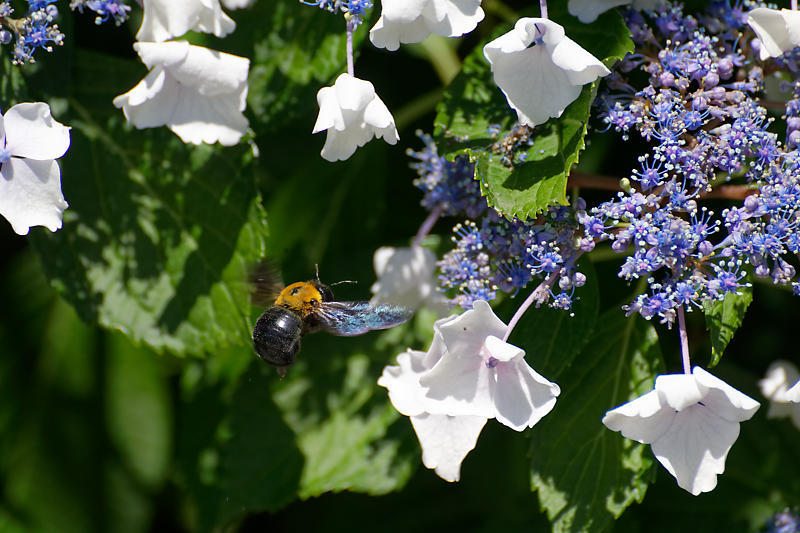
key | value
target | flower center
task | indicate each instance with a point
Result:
(5, 155)
(491, 362)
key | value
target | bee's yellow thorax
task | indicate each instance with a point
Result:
(302, 297)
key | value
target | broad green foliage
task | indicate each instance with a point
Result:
(723, 318)
(585, 474)
(473, 102)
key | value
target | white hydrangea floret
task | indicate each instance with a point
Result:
(778, 31)
(30, 179)
(539, 69)
(406, 276)
(479, 374)
(237, 4)
(781, 386)
(197, 92)
(165, 19)
(352, 113)
(411, 21)
(445, 440)
(588, 10)
(690, 422)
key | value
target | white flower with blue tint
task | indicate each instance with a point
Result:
(781, 386)
(30, 179)
(411, 21)
(352, 113)
(197, 92)
(588, 10)
(539, 69)
(778, 31)
(690, 422)
(165, 19)
(479, 374)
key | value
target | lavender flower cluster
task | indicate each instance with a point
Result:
(38, 30)
(354, 9)
(496, 253)
(700, 110)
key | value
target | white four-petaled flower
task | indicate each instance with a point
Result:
(480, 374)
(406, 276)
(466, 377)
(781, 386)
(411, 21)
(30, 179)
(539, 69)
(165, 19)
(353, 114)
(690, 422)
(197, 92)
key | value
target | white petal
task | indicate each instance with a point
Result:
(465, 336)
(147, 104)
(446, 441)
(212, 73)
(521, 396)
(581, 66)
(200, 119)
(501, 350)
(724, 400)
(162, 54)
(330, 114)
(695, 448)
(459, 385)
(402, 381)
(164, 19)
(402, 11)
(237, 4)
(339, 145)
(642, 419)
(30, 194)
(378, 117)
(353, 94)
(780, 376)
(389, 35)
(455, 17)
(678, 391)
(772, 28)
(588, 10)
(32, 132)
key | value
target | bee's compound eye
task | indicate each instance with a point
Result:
(277, 335)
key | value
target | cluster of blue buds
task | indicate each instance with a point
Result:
(106, 10)
(37, 30)
(506, 255)
(786, 521)
(701, 114)
(354, 10)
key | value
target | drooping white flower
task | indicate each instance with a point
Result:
(411, 21)
(479, 374)
(30, 179)
(165, 19)
(197, 92)
(406, 277)
(781, 386)
(539, 69)
(353, 114)
(690, 422)
(445, 440)
(777, 30)
(588, 10)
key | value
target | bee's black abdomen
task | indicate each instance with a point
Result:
(277, 335)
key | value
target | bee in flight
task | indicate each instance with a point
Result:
(307, 307)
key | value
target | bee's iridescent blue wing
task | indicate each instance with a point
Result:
(354, 318)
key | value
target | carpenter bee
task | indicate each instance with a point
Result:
(307, 307)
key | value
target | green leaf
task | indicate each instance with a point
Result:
(585, 474)
(537, 177)
(138, 409)
(723, 318)
(159, 236)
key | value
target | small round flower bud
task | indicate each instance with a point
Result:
(5, 36)
(711, 80)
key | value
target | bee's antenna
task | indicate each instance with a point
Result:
(316, 267)
(343, 281)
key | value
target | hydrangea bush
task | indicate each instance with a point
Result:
(579, 200)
